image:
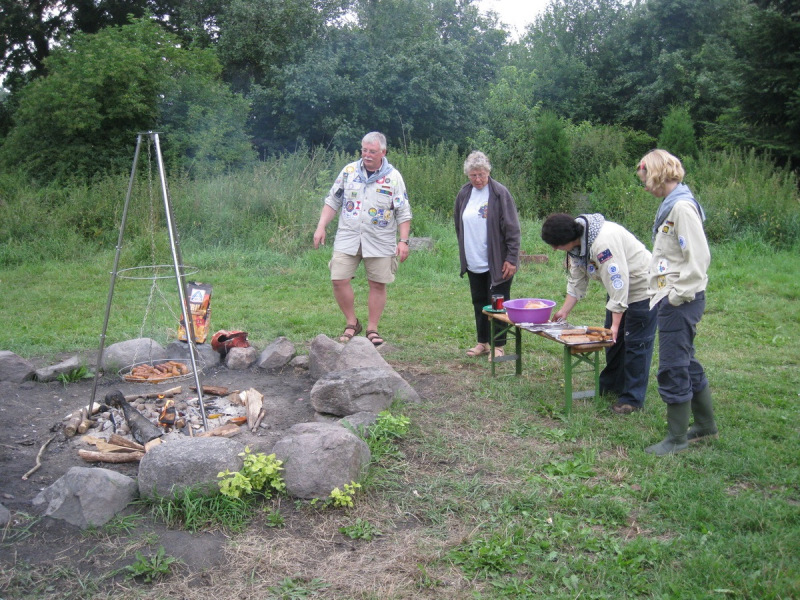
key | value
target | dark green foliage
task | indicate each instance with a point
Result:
(551, 160)
(101, 90)
(677, 133)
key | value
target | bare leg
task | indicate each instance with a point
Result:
(343, 292)
(375, 303)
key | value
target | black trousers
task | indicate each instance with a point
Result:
(481, 290)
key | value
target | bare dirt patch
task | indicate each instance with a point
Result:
(46, 558)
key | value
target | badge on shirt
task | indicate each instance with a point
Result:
(591, 268)
(483, 211)
(349, 169)
(613, 269)
(663, 265)
(682, 241)
(661, 282)
(604, 255)
(617, 283)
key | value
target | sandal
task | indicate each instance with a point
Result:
(498, 352)
(374, 337)
(346, 337)
(479, 350)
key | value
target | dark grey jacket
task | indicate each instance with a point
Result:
(502, 224)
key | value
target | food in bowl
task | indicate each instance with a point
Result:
(535, 304)
(518, 310)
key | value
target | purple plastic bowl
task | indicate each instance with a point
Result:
(516, 311)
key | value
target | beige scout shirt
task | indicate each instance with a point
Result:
(679, 268)
(620, 261)
(368, 212)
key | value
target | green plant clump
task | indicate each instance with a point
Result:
(150, 568)
(259, 474)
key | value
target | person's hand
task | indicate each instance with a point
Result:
(561, 315)
(508, 270)
(402, 251)
(319, 237)
(614, 332)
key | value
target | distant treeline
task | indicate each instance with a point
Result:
(232, 82)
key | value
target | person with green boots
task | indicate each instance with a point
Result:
(677, 281)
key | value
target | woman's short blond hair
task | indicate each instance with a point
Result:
(660, 167)
(477, 161)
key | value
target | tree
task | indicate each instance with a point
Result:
(551, 160)
(102, 89)
(677, 133)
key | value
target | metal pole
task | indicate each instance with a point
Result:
(114, 273)
(178, 264)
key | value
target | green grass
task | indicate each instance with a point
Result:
(508, 496)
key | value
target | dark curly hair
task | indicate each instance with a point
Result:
(560, 228)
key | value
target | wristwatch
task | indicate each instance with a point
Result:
(403, 241)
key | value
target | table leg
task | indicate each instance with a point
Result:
(491, 343)
(518, 348)
(596, 373)
(567, 381)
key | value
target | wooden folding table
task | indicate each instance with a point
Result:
(575, 355)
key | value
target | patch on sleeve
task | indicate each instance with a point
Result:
(604, 256)
(617, 283)
(682, 242)
(613, 269)
(662, 266)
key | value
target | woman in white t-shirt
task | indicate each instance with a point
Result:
(487, 228)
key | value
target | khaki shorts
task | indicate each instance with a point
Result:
(379, 269)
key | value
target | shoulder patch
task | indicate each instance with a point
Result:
(604, 255)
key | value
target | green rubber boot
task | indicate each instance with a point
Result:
(703, 411)
(677, 424)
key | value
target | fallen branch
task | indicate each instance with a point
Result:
(260, 418)
(38, 459)
(110, 457)
(228, 430)
(152, 395)
(117, 439)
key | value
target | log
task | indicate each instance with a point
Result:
(110, 457)
(228, 430)
(150, 395)
(117, 439)
(213, 390)
(72, 424)
(254, 403)
(85, 422)
(260, 418)
(152, 444)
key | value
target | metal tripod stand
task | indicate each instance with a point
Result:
(177, 264)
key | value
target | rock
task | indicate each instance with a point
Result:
(277, 354)
(5, 516)
(15, 368)
(63, 368)
(360, 353)
(318, 457)
(238, 359)
(205, 354)
(359, 422)
(323, 356)
(420, 243)
(170, 467)
(87, 496)
(344, 393)
(300, 362)
(130, 352)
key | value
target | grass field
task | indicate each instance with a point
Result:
(507, 498)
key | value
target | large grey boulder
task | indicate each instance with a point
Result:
(65, 367)
(5, 516)
(205, 354)
(14, 368)
(361, 353)
(86, 496)
(169, 468)
(318, 457)
(323, 355)
(238, 359)
(350, 391)
(131, 352)
(277, 355)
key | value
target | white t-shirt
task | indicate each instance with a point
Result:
(475, 234)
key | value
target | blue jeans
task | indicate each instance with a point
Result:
(680, 374)
(628, 361)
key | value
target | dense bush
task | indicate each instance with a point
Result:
(274, 206)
